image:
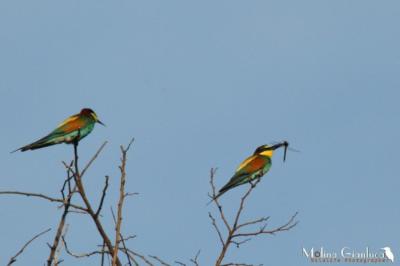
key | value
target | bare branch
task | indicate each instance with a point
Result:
(214, 223)
(102, 196)
(121, 200)
(159, 260)
(60, 228)
(122, 239)
(215, 199)
(194, 260)
(129, 145)
(125, 248)
(66, 201)
(286, 227)
(261, 220)
(59, 248)
(94, 157)
(82, 255)
(42, 196)
(242, 201)
(14, 258)
(91, 212)
(129, 194)
(238, 243)
(234, 233)
(102, 253)
(133, 254)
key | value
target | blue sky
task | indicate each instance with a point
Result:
(201, 84)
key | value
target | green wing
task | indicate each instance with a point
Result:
(251, 169)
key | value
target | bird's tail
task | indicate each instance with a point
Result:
(33, 146)
(220, 193)
(234, 182)
(41, 143)
(16, 150)
(214, 198)
(24, 148)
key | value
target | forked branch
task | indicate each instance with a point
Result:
(122, 195)
(234, 234)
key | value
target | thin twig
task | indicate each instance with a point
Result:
(215, 199)
(82, 255)
(159, 260)
(286, 227)
(94, 157)
(135, 254)
(127, 255)
(14, 258)
(102, 253)
(194, 260)
(41, 196)
(214, 223)
(102, 196)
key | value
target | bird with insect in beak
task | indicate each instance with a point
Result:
(254, 167)
(70, 131)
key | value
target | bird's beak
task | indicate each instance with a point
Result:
(101, 123)
(285, 144)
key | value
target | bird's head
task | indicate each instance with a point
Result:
(268, 150)
(265, 150)
(90, 113)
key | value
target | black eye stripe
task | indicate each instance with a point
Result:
(262, 148)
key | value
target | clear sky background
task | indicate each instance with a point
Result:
(201, 84)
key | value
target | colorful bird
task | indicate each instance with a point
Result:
(253, 167)
(70, 131)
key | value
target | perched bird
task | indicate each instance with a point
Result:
(70, 131)
(388, 253)
(253, 167)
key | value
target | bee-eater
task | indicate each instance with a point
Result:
(70, 131)
(253, 167)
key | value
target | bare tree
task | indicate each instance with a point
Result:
(73, 185)
(114, 251)
(237, 232)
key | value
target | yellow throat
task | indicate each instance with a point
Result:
(267, 153)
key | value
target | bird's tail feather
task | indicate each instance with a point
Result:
(222, 191)
(35, 146)
(234, 182)
(216, 197)
(231, 184)
(41, 143)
